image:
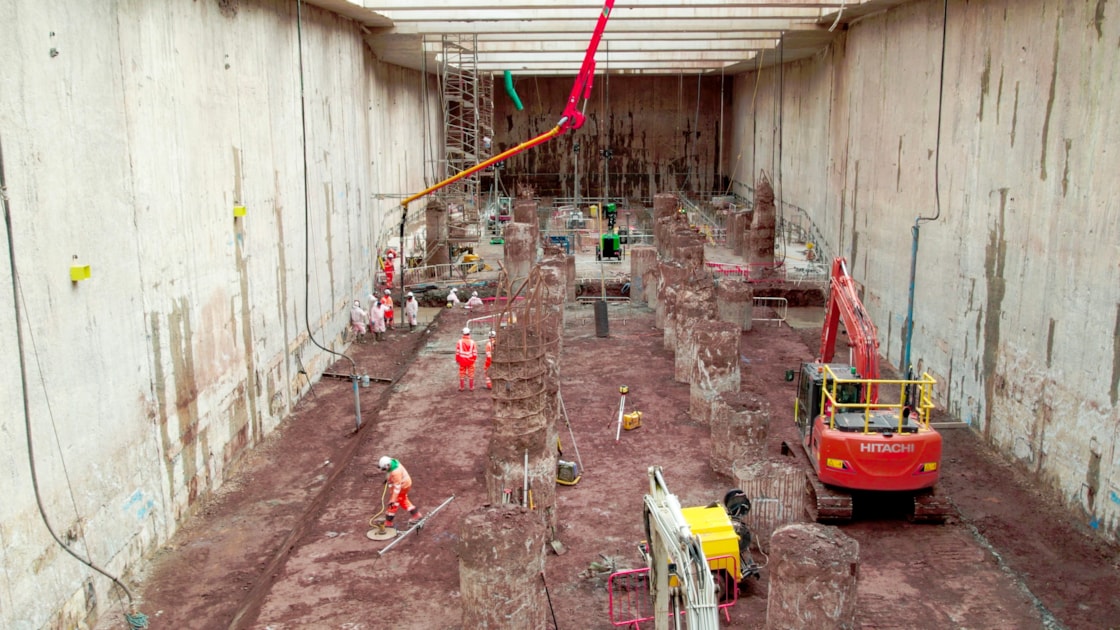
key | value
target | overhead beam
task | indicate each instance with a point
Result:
(547, 46)
(426, 13)
(698, 26)
(579, 5)
(611, 38)
(574, 59)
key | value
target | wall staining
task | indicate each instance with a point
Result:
(995, 261)
(1015, 114)
(985, 79)
(1113, 390)
(661, 137)
(1050, 98)
(1065, 171)
(190, 435)
(328, 213)
(250, 419)
(1050, 343)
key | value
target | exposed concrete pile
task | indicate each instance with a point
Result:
(521, 425)
(714, 347)
(643, 259)
(813, 573)
(501, 558)
(735, 302)
(552, 289)
(761, 246)
(570, 275)
(525, 211)
(665, 207)
(739, 231)
(687, 295)
(740, 424)
(700, 338)
(435, 220)
(777, 493)
(520, 252)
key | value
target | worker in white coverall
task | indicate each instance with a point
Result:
(411, 310)
(399, 483)
(474, 302)
(358, 318)
(377, 320)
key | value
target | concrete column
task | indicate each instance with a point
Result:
(813, 576)
(553, 276)
(776, 489)
(665, 206)
(761, 247)
(642, 258)
(521, 427)
(740, 424)
(525, 211)
(520, 252)
(570, 286)
(686, 246)
(673, 277)
(501, 557)
(735, 302)
(651, 283)
(435, 219)
(717, 347)
(740, 226)
(693, 309)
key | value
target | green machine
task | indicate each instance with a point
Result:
(609, 247)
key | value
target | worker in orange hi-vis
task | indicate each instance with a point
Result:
(387, 267)
(489, 359)
(466, 353)
(387, 302)
(399, 483)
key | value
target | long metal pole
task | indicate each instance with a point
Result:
(416, 526)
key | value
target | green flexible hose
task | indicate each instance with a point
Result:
(512, 92)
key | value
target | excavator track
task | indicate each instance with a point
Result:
(823, 504)
(931, 506)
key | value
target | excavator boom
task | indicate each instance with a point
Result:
(844, 304)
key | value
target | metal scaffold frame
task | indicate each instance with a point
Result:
(468, 114)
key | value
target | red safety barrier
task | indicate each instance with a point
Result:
(752, 272)
(631, 602)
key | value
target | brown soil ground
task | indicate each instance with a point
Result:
(283, 543)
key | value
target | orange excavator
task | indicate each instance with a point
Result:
(854, 441)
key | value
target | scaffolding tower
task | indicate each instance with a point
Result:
(468, 118)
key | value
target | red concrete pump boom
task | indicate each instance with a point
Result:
(844, 302)
(572, 118)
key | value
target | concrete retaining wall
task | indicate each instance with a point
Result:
(127, 151)
(1016, 309)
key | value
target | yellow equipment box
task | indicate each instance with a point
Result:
(717, 536)
(632, 420)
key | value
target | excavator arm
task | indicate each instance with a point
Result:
(674, 549)
(844, 303)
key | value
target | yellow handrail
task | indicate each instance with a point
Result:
(923, 407)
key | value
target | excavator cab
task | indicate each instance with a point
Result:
(811, 385)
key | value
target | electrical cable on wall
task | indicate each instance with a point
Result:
(136, 620)
(307, 218)
(906, 366)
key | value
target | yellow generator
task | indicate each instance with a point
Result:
(725, 540)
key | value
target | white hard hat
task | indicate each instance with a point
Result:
(357, 303)
(474, 293)
(493, 334)
(387, 292)
(410, 294)
(466, 331)
(384, 463)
